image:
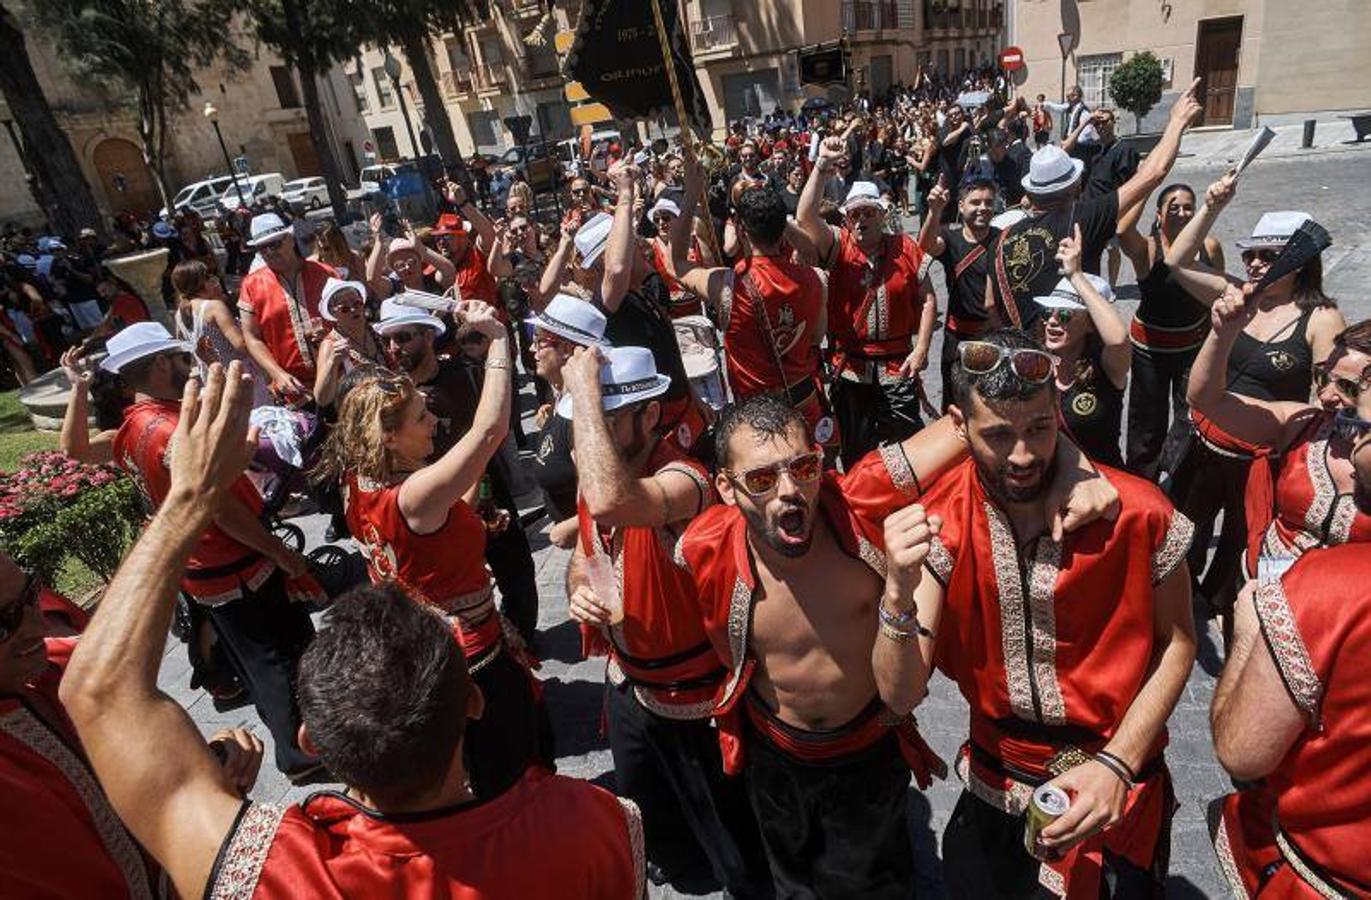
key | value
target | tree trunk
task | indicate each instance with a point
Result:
(314, 110)
(435, 110)
(70, 205)
(148, 135)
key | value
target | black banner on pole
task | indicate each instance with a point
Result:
(617, 58)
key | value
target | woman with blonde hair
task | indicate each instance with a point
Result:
(418, 525)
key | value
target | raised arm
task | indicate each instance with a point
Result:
(377, 282)
(1186, 246)
(930, 233)
(709, 284)
(157, 771)
(1117, 354)
(480, 222)
(1097, 791)
(555, 270)
(807, 210)
(427, 496)
(1262, 422)
(1153, 169)
(75, 440)
(497, 262)
(911, 611)
(613, 493)
(622, 242)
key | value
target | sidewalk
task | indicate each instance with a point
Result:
(1205, 147)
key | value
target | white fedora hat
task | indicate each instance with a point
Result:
(628, 376)
(571, 318)
(1051, 170)
(592, 236)
(1064, 295)
(1273, 229)
(666, 205)
(266, 228)
(334, 287)
(139, 340)
(395, 316)
(863, 193)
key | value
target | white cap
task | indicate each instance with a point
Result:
(863, 193)
(1051, 170)
(401, 245)
(266, 228)
(592, 236)
(395, 316)
(572, 318)
(628, 376)
(332, 288)
(137, 341)
(1273, 229)
(1064, 295)
(666, 205)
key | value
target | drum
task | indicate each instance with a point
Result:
(699, 344)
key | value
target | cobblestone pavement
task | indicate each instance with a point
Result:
(1332, 187)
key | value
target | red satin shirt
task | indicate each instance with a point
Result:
(793, 296)
(875, 312)
(284, 324)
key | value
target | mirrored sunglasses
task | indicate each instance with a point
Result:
(762, 480)
(982, 358)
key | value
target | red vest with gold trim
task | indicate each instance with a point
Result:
(1317, 624)
(547, 836)
(875, 312)
(660, 646)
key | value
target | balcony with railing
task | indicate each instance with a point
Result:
(491, 77)
(713, 33)
(456, 84)
(870, 15)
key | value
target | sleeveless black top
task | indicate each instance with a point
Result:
(1093, 416)
(1279, 369)
(553, 468)
(1168, 306)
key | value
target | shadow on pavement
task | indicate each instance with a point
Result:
(575, 707)
(561, 642)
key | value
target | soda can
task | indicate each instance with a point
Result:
(1047, 806)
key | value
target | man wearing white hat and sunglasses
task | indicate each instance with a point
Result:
(638, 489)
(662, 215)
(279, 305)
(238, 568)
(1024, 261)
(881, 312)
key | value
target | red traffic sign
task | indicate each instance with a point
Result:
(1011, 59)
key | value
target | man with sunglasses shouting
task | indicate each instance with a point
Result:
(881, 312)
(1071, 652)
(637, 491)
(279, 306)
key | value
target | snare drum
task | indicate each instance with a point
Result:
(699, 342)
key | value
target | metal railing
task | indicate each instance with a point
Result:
(713, 33)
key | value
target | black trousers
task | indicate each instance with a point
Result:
(697, 825)
(1159, 382)
(511, 562)
(835, 829)
(264, 634)
(984, 856)
(512, 733)
(873, 414)
(1204, 484)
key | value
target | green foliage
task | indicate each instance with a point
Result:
(1137, 85)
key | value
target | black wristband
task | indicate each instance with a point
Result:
(1117, 766)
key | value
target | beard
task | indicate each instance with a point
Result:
(1361, 497)
(1027, 485)
(793, 522)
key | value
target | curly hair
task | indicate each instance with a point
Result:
(371, 409)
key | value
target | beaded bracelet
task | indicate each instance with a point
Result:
(900, 623)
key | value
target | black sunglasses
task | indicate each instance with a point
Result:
(400, 337)
(1267, 256)
(1349, 388)
(12, 616)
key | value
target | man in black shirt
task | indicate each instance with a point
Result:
(952, 139)
(452, 387)
(1110, 163)
(964, 251)
(1006, 168)
(1023, 263)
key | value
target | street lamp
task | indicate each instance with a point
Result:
(392, 67)
(213, 115)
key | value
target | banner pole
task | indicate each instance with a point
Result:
(688, 149)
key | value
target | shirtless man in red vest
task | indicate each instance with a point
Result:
(385, 696)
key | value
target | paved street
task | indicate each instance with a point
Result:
(1332, 186)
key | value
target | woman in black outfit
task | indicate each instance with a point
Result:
(1081, 327)
(1167, 331)
(1291, 330)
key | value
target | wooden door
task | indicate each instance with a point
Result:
(305, 156)
(1216, 64)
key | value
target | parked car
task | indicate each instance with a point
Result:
(254, 189)
(198, 195)
(305, 193)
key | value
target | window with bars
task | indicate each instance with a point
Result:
(1092, 73)
(384, 91)
(359, 91)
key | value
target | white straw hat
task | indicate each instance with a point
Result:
(1051, 170)
(628, 376)
(395, 316)
(1064, 295)
(864, 193)
(1273, 229)
(266, 228)
(592, 237)
(139, 340)
(332, 288)
(571, 318)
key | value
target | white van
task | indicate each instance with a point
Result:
(570, 150)
(254, 188)
(198, 195)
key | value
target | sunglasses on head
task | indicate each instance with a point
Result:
(1266, 255)
(757, 482)
(12, 616)
(401, 337)
(982, 358)
(1349, 388)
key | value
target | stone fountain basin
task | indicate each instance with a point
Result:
(45, 398)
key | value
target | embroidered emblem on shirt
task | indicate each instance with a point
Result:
(1084, 404)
